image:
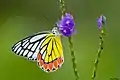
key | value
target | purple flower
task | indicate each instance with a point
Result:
(67, 25)
(101, 21)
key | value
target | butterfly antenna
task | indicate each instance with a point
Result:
(55, 25)
(46, 18)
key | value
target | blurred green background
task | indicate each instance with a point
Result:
(21, 18)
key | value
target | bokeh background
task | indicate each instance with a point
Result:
(21, 18)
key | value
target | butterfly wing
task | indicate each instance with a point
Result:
(30, 46)
(50, 58)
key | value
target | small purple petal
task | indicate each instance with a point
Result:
(67, 31)
(69, 15)
(67, 22)
(99, 21)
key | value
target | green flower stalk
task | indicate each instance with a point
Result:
(67, 28)
(73, 59)
(62, 6)
(101, 21)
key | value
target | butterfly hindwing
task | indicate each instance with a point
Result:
(50, 58)
(29, 47)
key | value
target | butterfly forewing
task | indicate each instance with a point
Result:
(30, 46)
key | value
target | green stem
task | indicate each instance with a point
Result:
(98, 53)
(62, 6)
(73, 58)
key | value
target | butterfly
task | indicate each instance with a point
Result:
(44, 47)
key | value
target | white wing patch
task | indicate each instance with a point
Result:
(16, 47)
(35, 38)
(19, 49)
(26, 45)
(29, 54)
(43, 56)
(30, 46)
(25, 41)
(21, 52)
(35, 46)
(25, 52)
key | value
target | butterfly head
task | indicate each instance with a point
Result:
(55, 31)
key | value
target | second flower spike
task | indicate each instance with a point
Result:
(101, 21)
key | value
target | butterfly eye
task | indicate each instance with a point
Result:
(53, 32)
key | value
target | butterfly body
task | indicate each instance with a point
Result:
(43, 47)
